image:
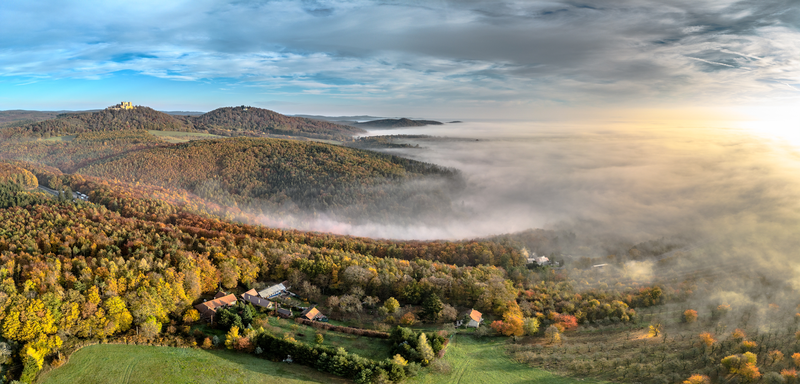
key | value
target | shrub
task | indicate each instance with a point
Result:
(690, 316)
(553, 335)
(441, 366)
(720, 311)
(774, 378)
(244, 345)
(57, 362)
(408, 319)
(738, 334)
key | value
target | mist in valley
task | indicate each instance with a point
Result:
(628, 181)
(719, 202)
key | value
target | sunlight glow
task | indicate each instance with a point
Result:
(777, 122)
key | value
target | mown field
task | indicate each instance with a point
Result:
(110, 363)
(182, 137)
(485, 361)
(369, 347)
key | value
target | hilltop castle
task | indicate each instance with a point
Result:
(122, 105)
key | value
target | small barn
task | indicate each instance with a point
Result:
(287, 313)
(474, 319)
(313, 314)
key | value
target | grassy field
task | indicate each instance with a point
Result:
(108, 363)
(58, 139)
(369, 347)
(485, 361)
(182, 137)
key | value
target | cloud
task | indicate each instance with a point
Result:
(446, 52)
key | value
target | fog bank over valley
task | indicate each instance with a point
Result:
(624, 183)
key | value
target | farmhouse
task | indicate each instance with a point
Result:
(474, 319)
(209, 308)
(273, 291)
(539, 260)
(313, 314)
(252, 297)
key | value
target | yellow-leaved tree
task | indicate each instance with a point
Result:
(28, 319)
(232, 337)
(118, 314)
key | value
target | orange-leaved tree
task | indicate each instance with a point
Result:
(512, 324)
(776, 356)
(569, 322)
(690, 316)
(697, 379)
(707, 339)
(789, 375)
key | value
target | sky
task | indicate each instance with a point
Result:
(469, 59)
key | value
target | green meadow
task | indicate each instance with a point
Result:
(112, 363)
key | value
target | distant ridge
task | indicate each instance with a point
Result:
(397, 123)
(228, 121)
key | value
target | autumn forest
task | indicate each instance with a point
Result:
(166, 226)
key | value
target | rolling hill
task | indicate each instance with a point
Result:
(140, 118)
(290, 176)
(233, 120)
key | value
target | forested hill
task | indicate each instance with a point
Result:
(139, 118)
(12, 174)
(274, 174)
(230, 121)
(258, 120)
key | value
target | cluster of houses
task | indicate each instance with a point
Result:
(208, 309)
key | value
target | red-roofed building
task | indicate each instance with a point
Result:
(474, 318)
(209, 308)
(313, 314)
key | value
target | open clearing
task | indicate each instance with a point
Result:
(486, 361)
(182, 137)
(111, 363)
(60, 139)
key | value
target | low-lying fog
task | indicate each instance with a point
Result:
(619, 180)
